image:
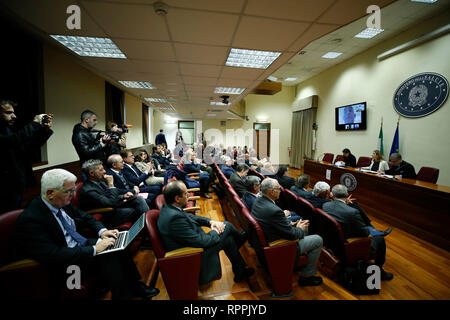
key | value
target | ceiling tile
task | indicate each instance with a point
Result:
(109, 64)
(153, 67)
(233, 83)
(241, 73)
(201, 27)
(314, 32)
(128, 21)
(234, 6)
(199, 81)
(146, 50)
(200, 70)
(267, 34)
(192, 53)
(346, 11)
(302, 10)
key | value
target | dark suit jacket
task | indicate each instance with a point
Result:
(316, 201)
(273, 221)
(405, 169)
(160, 138)
(93, 196)
(249, 199)
(131, 177)
(238, 184)
(37, 235)
(350, 161)
(286, 182)
(191, 168)
(122, 188)
(301, 192)
(348, 217)
(227, 171)
(179, 229)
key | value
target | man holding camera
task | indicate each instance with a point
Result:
(15, 163)
(88, 145)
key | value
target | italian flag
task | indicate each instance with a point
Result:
(380, 140)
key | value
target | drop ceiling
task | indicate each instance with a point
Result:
(183, 54)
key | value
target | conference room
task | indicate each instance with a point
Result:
(148, 111)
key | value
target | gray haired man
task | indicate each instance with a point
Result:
(276, 225)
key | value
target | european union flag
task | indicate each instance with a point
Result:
(395, 144)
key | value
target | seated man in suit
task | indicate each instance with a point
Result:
(99, 192)
(116, 165)
(137, 178)
(179, 229)
(320, 194)
(237, 179)
(163, 161)
(192, 166)
(226, 168)
(353, 225)
(47, 232)
(401, 168)
(253, 189)
(275, 225)
(301, 183)
(283, 179)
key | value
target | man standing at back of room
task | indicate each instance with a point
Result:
(160, 138)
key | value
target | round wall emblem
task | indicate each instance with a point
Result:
(349, 180)
(421, 95)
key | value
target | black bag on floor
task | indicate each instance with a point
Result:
(355, 278)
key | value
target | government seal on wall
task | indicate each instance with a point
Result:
(349, 180)
(421, 95)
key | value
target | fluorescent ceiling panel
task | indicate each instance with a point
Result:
(244, 58)
(369, 33)
(136, 84)
(90, 46)
(331, 55)
(155, 100)
(229, 90)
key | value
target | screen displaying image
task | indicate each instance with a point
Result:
(351, 114)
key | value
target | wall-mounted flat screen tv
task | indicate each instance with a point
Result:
(351, 117)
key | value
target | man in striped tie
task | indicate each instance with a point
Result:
(48, 231)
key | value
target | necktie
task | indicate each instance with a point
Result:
(71, 230)
(125, 183)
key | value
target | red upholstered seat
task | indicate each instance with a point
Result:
(277, 257)
(328, 157)
(339, 157)
(349, 251)
(428, 174)
(180, 269)
(25, 279)
(363, 162)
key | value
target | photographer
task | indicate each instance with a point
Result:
(118, 138)
(87, 144)
(15, 164)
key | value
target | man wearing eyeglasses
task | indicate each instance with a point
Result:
(49, 231)
(276, 225)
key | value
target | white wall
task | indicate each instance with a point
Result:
(69, 90)
(134, 116)
(423, 141)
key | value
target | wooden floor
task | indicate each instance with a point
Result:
(421, 270)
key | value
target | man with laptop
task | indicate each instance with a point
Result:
(47, 231)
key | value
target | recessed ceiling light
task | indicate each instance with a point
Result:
(251, 58)
(217, 103)
(272, 78)
(369, 33)
(211, 115)
(424, 1)
(155, 100)
(229, 90)
(167, 109)
(331, 55)
(137, 84)
(290, 79)
(90, 46)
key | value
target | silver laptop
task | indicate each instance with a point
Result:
(125, 237)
